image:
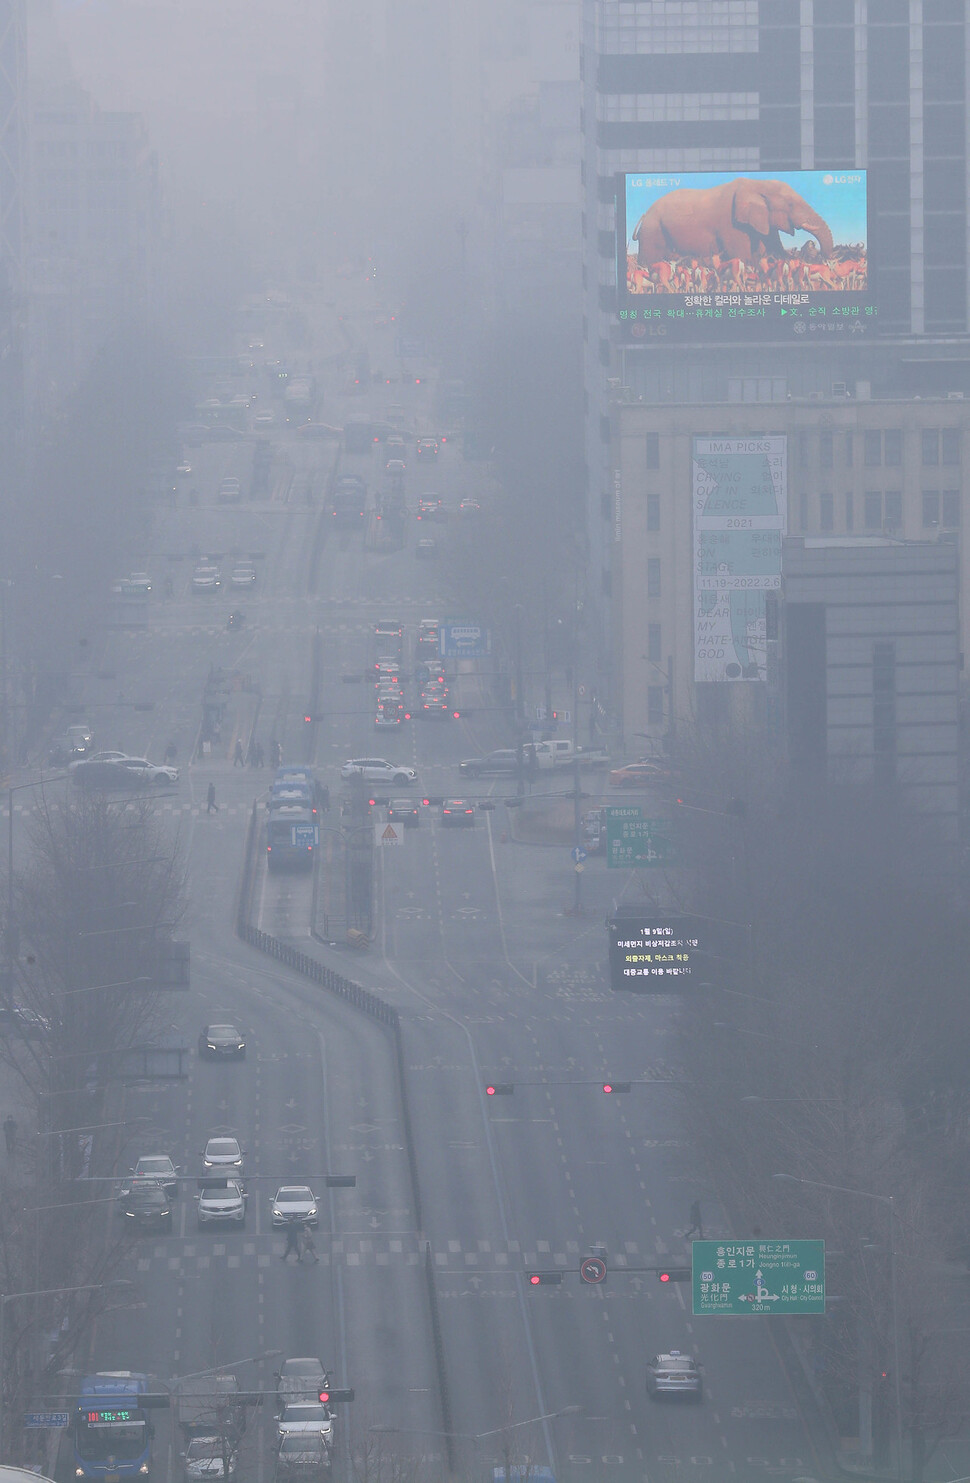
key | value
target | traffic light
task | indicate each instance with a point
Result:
(341, 1181)
(332, 1396)
(539, 1279)
(499, 1089)
(674, 1274)
(616, 1086)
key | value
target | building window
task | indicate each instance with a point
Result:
(825, 450)
(653, 512)
(884, 712)
(849, 517)
(848, 450)
(655, 705)
(894, 509)
(931, 508)
(873, 509)
(950, 512)
(653, 576)
(951, 447)
(803, 511)
(654, 643)
(931, 447)
(653, 450)
(893, 447)
(826, 512)
(872, 455)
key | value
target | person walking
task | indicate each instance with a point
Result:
(10, 1134)
(307, 1246)
(238, 760)
(210, 799)
(696, 1226)
(292, 1243)
(277, 754)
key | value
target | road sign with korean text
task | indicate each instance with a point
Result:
(747, 1278)
(632, 840)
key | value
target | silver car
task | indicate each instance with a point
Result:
(302, 1455)
(222, 1202)
(295, 1204)
(311, 1417)
(204, 1459)
(674, 1373)
(222, 1153)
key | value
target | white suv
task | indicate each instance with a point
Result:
(376, 770)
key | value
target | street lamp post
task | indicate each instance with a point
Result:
(889, 1202)
(43, 1292)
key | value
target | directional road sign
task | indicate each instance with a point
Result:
(578, 854)
(45, 1420)
(459, 638)
(745, 1278)
(305, 835)
(593, 1269)
(632, 840)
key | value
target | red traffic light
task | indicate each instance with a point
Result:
(674, 1274)
(616, 1086)
(539, 1279)
(308, 720)
(499, 1089)
(324, 1396)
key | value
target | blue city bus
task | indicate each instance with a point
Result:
(112, 1431)
(292, 835)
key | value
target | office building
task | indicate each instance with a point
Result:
(835, 87)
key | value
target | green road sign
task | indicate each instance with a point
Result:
(748, 1277)
(633, 840)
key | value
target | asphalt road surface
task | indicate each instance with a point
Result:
(493, 978)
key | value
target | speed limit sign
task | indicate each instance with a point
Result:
(593, 1269)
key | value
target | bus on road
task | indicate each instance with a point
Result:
(113, 1433)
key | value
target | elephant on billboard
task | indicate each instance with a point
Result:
(741, 219)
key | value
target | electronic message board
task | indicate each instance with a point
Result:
(653, 954)
(763, 255)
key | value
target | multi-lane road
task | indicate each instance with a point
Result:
(493, 979)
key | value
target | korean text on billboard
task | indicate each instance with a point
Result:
(722, 256)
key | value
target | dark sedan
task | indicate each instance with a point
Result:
(147, 1207)
(220, 1041)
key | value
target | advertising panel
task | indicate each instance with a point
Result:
(739, 495)
(713, 255)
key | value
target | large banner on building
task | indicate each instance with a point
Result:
(740, 503)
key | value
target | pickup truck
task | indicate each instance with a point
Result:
(551, 754)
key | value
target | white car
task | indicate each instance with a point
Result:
(157, 1167)
(223, 1202)
(204, 1459)
(184, 469)
(206, 578)
(377, 770)
(306, 1416)
(144, 771)
(295, 1204)
(243, 574)
(301, 1378)
(222, 1153)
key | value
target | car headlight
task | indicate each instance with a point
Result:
(144, 1469)
(312, 1210)
(237, 1163)
(277, 1214)
(207, 1163)
(209, 1045)
(241, 1045)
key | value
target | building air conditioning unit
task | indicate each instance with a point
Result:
(840, 389)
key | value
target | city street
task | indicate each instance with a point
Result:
(494, 979)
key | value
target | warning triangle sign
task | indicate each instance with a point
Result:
(388, 835)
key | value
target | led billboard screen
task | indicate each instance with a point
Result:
(723, 256)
